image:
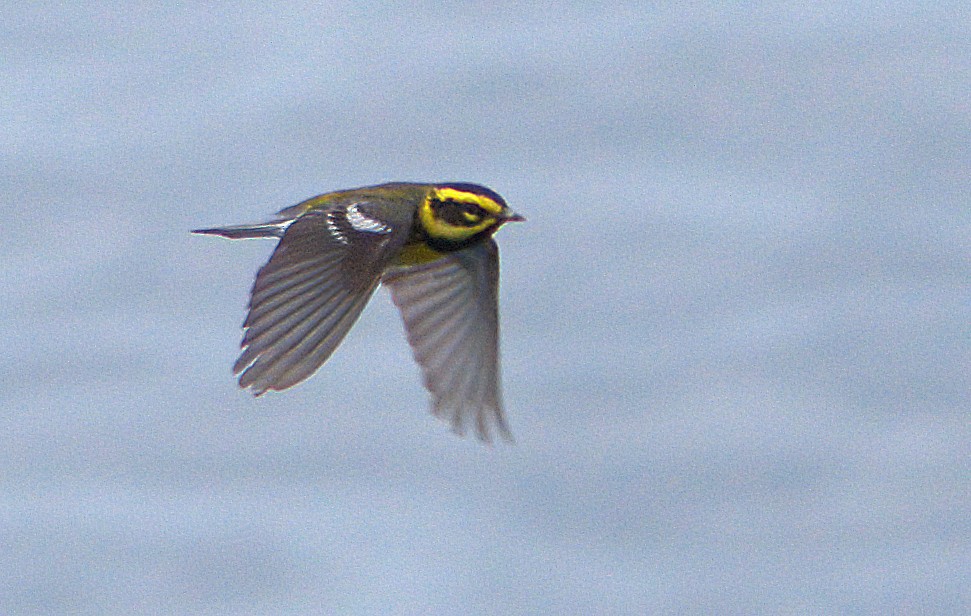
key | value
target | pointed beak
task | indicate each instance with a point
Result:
(511, 216)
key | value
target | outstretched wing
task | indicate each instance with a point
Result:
(312, 290)
(450, 310)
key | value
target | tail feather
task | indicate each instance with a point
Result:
(245, 232)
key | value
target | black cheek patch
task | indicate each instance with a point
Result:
(453, 212)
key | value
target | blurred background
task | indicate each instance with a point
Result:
(736, 326)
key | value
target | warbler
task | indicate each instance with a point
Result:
(430, 244)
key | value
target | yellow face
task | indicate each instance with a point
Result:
(460, 212)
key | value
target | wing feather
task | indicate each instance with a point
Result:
(300, 355)
(311, 292)
(450, 311)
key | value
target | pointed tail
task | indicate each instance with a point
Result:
(246, 232)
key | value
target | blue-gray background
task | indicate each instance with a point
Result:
(736, 323)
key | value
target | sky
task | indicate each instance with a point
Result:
(736, 326)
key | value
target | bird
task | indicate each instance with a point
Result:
(430, 244)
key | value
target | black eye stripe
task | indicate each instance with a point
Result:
(472, 208)
(453, 212)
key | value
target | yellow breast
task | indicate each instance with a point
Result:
(418, 254)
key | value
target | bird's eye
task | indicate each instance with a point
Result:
(459, 213)
(473, 213)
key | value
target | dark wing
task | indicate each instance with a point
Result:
(450, 310)
(313, 289)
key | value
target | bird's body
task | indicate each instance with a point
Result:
(431, 244)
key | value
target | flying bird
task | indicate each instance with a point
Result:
(430, 244)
